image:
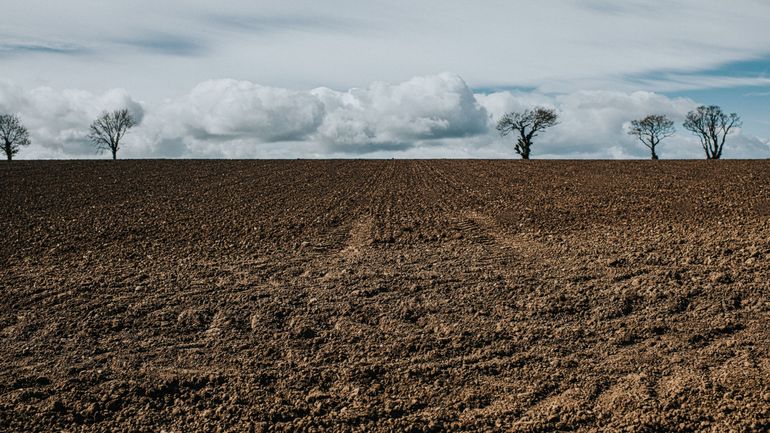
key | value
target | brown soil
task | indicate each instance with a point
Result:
(385, 296)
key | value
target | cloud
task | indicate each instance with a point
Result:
(395, 116)
(430, 116)
(684, 82)
(58, 120)
(265, 24)
(593, 122)
(616, 8)
(17, 47)
(167, 44)
(381, 117)
(341, 43)
(757, 94)
(593, 125)
(744, 146)
(223, 110)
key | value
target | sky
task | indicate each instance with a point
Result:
(381, 79)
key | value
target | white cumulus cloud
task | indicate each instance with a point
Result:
(229, 109)
(240, 119)
(593, 124)
(429, 116)
(397, 116)
(58, 120)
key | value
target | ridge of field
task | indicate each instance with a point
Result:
(385, 295)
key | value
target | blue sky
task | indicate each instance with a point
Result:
(752, 102)
(380, 78)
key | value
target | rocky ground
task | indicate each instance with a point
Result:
(367, 296)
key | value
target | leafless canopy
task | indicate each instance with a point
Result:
(652, 130)
(13, 135)
(711, 126)
(109, 129)
(527, 124)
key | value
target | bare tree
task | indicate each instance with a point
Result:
(528, 124)
(13, 135)
(652, 130)
(109, 129)
(711, 126)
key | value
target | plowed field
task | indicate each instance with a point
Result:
(366, 296)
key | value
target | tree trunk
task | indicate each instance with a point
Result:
(525, 145)
(654, 155)
(114, 154)
(524, 151)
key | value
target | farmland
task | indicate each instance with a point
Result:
(385, 295)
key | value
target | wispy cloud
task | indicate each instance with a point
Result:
(167, 44)
(613, 7)
(263, 24)
(14, 47)
(684, 82)
(745, 73)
